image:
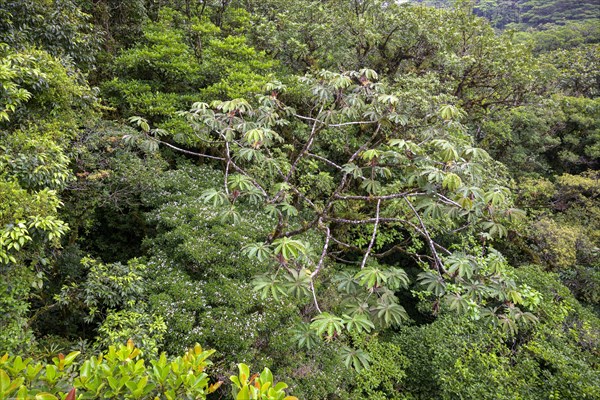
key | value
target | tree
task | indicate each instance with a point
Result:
(372, 176)
(43, 103)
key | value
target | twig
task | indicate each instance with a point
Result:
(364, 261)
(323, 253)
(312, 289)
(369, 198)
(438, 263)
(187, 151)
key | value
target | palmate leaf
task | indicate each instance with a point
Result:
(451, 182)
(297, 283)
(327, 323)
(271, 210)
(357, 323)
(515, 214)
(396, 278)
(260, 251)
(352, 169)
(355, 358)
(355, 306)
(384, 172)
(389, 99)
(371, 186)
(431, 208)
(255, 137)
(304, 336)
(253, 195)
(248, 154)
(474, 153)
(497, 196)
(239, 182)
(449, 111)
(371, 154)
(508, 325)
(346, 283)
(268, 284)
(289, 248)
(371, 277)
(239, 105)
(406, 145)
(288, 209)
(511, 320)
(341, 81)
(475, 291)
(458, 303)
(390, 313)
(464, 202)
(140, 122)
(473, 193)
(367, 73)
(496, 263)
(447, 151)
(387, 296)
(461, 264)
(231, 216)
(433, 174)
(495, 229)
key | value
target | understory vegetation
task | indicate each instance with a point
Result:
(362, 199)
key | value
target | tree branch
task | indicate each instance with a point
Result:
(364, 261)
(438, 263)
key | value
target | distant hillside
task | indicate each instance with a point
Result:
(523, 14)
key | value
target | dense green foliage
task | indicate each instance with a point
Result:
(371, 199)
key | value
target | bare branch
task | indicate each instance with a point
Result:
(298, 231)
(371, 198)
(344, 244)
(318, 157)
(364, 261)
(305, 149)
(323, 253)
(365, 221)
(438, 263)
(333, 125)
(448, 201)
(192, 153)
(312, 289)
(227, 167)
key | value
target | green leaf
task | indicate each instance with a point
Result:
(239, 182)
(216, 197)
(461, 264)
(244, 373)
(371, 277)
(451, 182)
(260, 251)
(4, 382)
(357, 323)
(371, 154)
(396, 278)
(352, 169)
(45, 396)
(327, 323)
(355, 358)
(371, 186)
(346, 283)
(298, 283)
(269, 284)
(288, 248)
(391, 313)
(305, 336)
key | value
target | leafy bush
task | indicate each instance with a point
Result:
(121, 373)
